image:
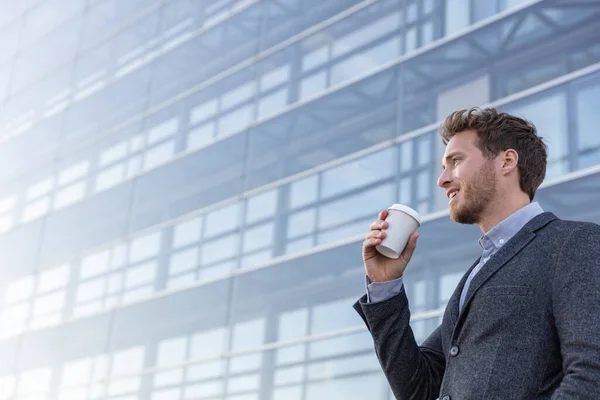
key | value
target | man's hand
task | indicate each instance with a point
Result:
(378, 267)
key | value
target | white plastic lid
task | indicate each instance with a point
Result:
(407, 210)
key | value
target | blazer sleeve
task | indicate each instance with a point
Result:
(413, 372)
(576, 307)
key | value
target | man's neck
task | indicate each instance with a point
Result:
(499, 212)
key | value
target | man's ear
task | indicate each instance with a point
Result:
(510, 160)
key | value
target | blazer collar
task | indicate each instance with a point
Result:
(504, 254)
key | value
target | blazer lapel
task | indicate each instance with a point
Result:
(505, 254)
(454, 300)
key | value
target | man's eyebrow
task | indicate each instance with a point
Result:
(450, 156)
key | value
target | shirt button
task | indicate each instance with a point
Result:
(446, 398)
(501, 241)
(454, 351)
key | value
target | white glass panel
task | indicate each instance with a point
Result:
(134, 165)
(6, 223)
(110, 177)
(37, 209)
(238, 95)
(94, 264)
(172, 352)
(366, 34)
(248, 334)
(159, 155)
(140, 275)
(203, 111)
(285, 376)
(69, 195)
(7, 386)
(220, 249)
(276, 77)
(90, 290)
(115, 283)
(448, 284)
(144, 247)
(73, 173)
(352, 388)
(293, 325)
(201, 136)
(301, 223)
(273, 103)
(261, 206)
(19, 290)
(247, 363)
(208, 344)
(315, 58)
(187, 232)
(7, 203)
(287, 393)
(35, 381)
(136, 143)
(235, 121)
(222, 220)
(163, 131)
(243, 383)
(259, 237)
(313, 84)
(119, 256)
(213, 369)
(53, 279)
(40, 188)
(304, 191)
(204, 390)
(50, 303)
(183, 261)
(127, 361)
(344, 318)
(113, 153)
(167, 394)
(359, 172)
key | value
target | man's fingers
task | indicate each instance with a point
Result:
(383, 214)
(376, 234)
(410, 246)
(379, 224)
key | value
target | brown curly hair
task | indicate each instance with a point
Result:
(499, 131)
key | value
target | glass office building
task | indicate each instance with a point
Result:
(186, 184)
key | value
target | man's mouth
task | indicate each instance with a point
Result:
(452, 195)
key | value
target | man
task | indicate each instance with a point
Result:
(524, 321)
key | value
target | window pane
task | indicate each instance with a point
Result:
(359, 172)
(220, 249)
(322, 321)
(258, 237)
(261, 206)
(144, 247)
(301, 223)
(222, 220)
(303, 191)
(187, 232)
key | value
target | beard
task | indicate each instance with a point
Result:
(476, 195)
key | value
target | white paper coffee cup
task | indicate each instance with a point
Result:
(402, 222)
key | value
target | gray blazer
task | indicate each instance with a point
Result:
(530, 327)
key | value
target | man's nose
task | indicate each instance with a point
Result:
(444, 179)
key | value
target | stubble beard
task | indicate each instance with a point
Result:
(476, 195)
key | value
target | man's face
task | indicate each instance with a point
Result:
(468, 178)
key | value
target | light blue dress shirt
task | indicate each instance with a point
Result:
(490, 243)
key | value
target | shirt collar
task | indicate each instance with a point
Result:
(505, 230)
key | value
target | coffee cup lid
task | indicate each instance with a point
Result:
(407, 210)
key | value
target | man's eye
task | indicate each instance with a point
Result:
(455, 161)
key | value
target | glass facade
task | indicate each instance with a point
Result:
(187, 183)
